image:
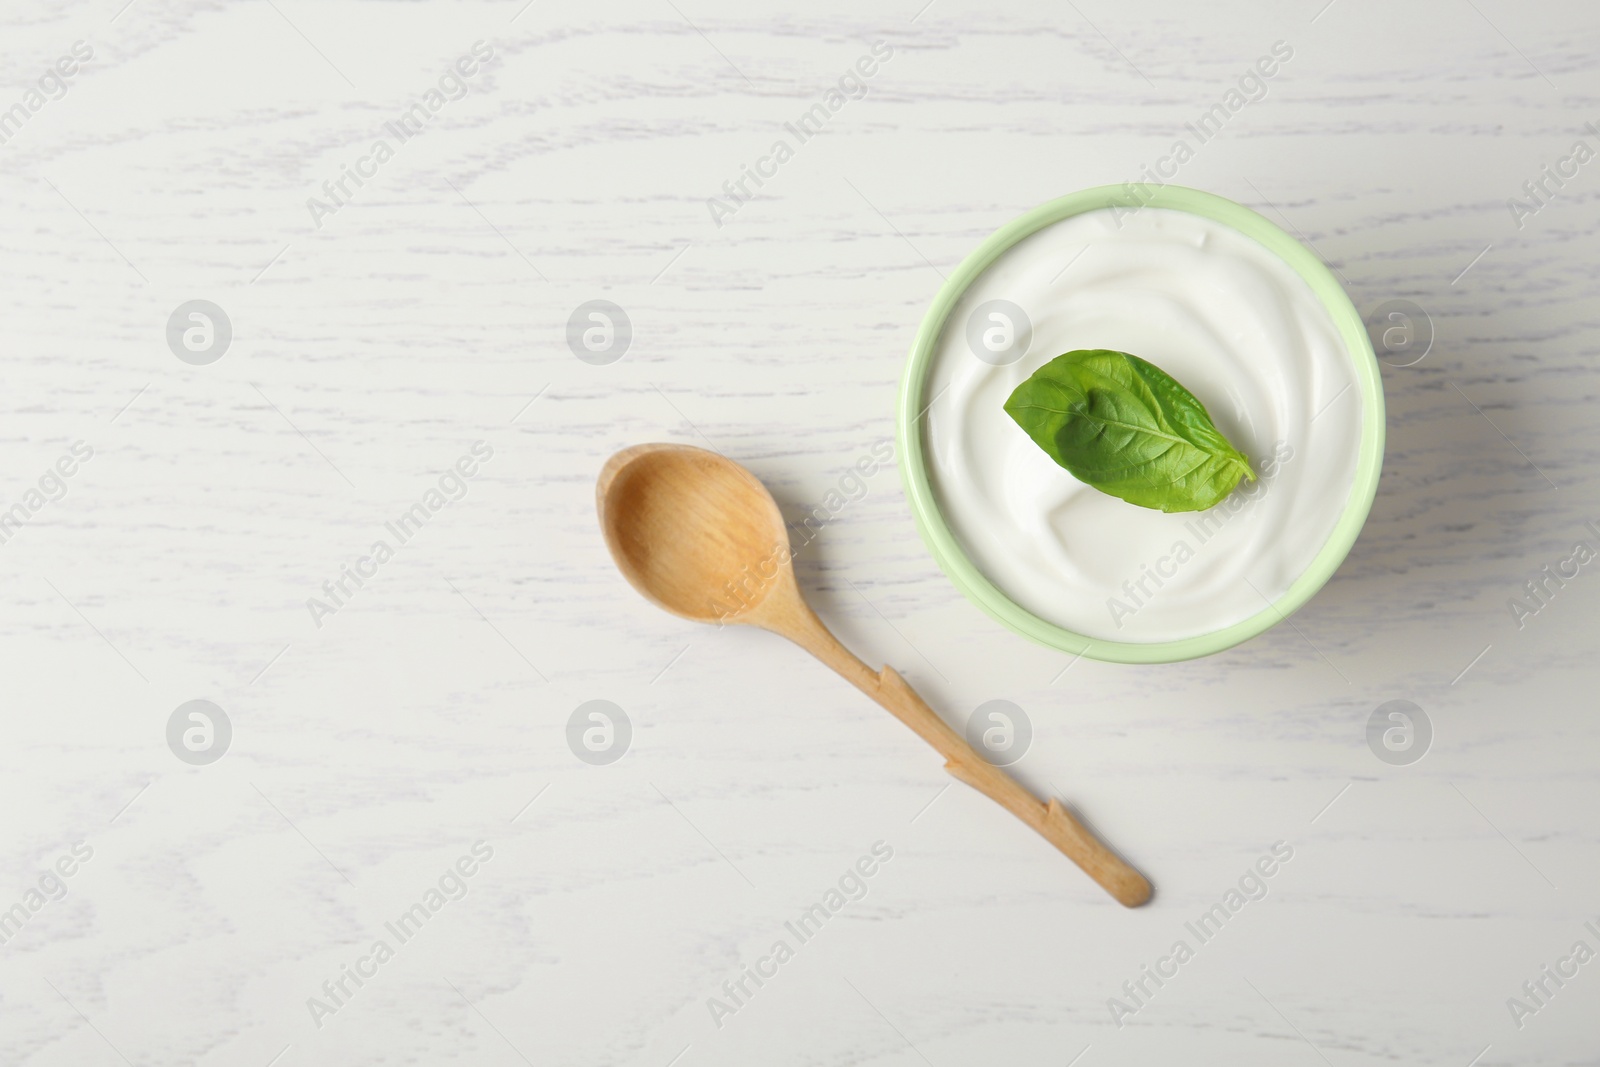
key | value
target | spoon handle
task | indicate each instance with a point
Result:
(1051, 820)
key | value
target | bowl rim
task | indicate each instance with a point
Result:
(946, 549)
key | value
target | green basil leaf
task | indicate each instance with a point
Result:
(1129, 429)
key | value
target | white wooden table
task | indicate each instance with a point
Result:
(373, 744)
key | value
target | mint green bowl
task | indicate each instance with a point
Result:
(947, 550)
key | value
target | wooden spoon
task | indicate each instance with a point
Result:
(700, 536)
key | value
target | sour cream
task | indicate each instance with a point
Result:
(1225, 317)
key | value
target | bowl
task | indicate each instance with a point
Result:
(946, 548)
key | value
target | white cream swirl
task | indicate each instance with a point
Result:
(1221, 314)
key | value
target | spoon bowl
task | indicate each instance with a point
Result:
(691, 530)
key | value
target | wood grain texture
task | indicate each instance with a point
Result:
(431, 710)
